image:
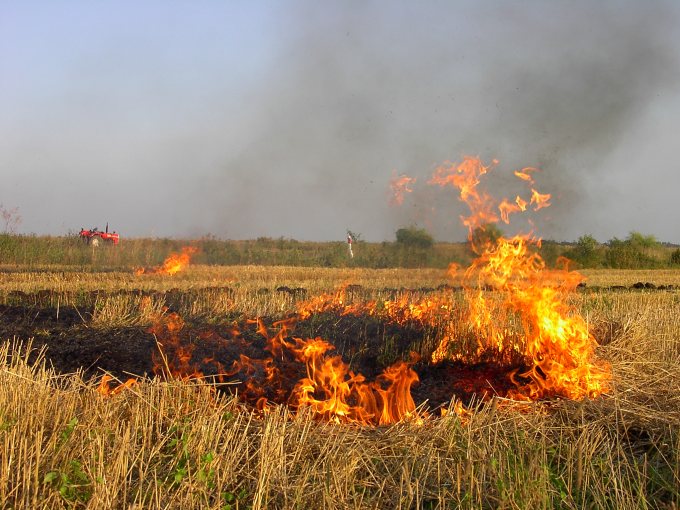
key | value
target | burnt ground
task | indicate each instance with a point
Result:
(72, 344)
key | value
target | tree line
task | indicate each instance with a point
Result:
(411, 247)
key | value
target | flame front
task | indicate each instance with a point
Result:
(329, 389)
(512, 310)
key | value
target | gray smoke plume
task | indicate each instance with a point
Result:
(360, 89)
(168, 133)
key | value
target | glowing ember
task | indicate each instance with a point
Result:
(400, 185)
(175, 263)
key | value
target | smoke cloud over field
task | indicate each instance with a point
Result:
(291, 120)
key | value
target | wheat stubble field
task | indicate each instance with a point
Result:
(187, 431)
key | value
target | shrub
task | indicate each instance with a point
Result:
(633, 253)
(587, 252)
(675, 257)
(414, 237)
(642, 241)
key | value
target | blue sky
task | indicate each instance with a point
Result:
(248, 119)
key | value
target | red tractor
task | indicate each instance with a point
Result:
(95, 237)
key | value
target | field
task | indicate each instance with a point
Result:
(170, 430)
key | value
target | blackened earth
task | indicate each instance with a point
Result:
(72, 343)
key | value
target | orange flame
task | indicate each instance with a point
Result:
(540, 201)
(529, 312)
(524, 174)
(106, 389)
(400, 185)
(330, 389)
(506, 208)
(402, 310)
(175, 263)
(465, 177)
(334, 392)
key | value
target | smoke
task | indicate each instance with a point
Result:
(289, 119)
(357, 91)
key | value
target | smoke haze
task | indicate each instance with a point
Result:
(289, 119)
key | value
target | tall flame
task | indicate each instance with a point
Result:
(527, 311)
(465, 177)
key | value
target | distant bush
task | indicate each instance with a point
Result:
(636, 251)
(413, 248)
(587, 252)
(642, 241)
(414, 237)
(550, 251)
(675, 257)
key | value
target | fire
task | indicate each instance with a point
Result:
(332, 391)
(299, 372)
(540, 201)
(400, 185)
(106, 389)
(466, 178)
(513, 311)
(525, 174)
(175, 263)
(528, 310)
(506, 208)
(403, 310)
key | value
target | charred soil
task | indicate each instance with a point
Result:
(72, 343)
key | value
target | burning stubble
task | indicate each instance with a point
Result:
(515, 310)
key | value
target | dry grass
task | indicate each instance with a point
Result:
(609, 277)
(172, 445)
(175, 445)
(255, 277)
(314, 279)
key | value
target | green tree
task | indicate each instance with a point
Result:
(587, 252)
(642, 241)
(413, 247)
(549, 252)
